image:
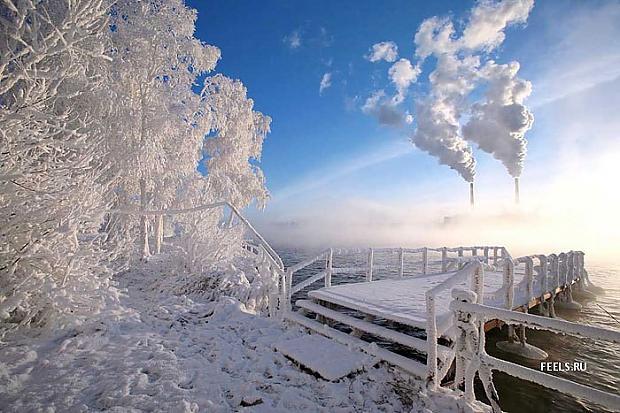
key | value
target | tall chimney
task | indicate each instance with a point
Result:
(471, 194)
(516, 190)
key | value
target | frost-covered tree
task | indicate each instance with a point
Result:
(232, 147)
(235, 143)
(52, 180)
(156, 60)
(98, 112)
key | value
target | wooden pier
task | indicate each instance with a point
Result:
(409, 298)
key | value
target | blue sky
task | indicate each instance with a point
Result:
(323, 150)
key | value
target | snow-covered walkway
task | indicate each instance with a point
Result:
(157, 352)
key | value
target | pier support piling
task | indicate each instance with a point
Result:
(517, 344)
(566, 301)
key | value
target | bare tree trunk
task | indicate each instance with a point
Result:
(144, 225)
(159, 233)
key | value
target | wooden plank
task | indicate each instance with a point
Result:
(410, 366)
(359, 306)
(307, 282)
(374, 329)
(326, 357)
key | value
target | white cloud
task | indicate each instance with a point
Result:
(293, 40)
(387, 51)
(403, 74)
(326, 82)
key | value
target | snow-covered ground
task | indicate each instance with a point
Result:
(153, 351)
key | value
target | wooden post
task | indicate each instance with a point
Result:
(401, 262)
(544, 271)
(424, 260)
(529, 274)
(444, 259)
(431, 340)
(289, 286)
(328, 268)
(460, 256)
(370, 260)
(562, 268)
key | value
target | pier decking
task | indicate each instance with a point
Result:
(446, 300)
(404, 300)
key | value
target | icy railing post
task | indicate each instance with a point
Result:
(581, 270)
(401, 262)
(562, 270)
(431, 341)
(444, 259)
(570, 267)
(555, 270)
(289, 288)
(424, 260)
(477, 282)
(543, 273)
(370, 262)
(460, 252)
(508, 283)
(470, 351)
(485, 252)
(494, 255)
(529, 274)
(462, 320)
(328, 267)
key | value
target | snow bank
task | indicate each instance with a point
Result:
(160, 352)
(243, 277)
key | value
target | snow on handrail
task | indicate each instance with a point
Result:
(473, 270)
(308, 261)
(471, 317)
(205, 207)
(560, 384)
(488, 253)
(555, 325)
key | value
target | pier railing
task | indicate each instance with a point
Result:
(472, 271)
(471, 357)
(421, 261)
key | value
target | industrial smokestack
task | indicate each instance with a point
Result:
(516, 190)
(471, 194)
